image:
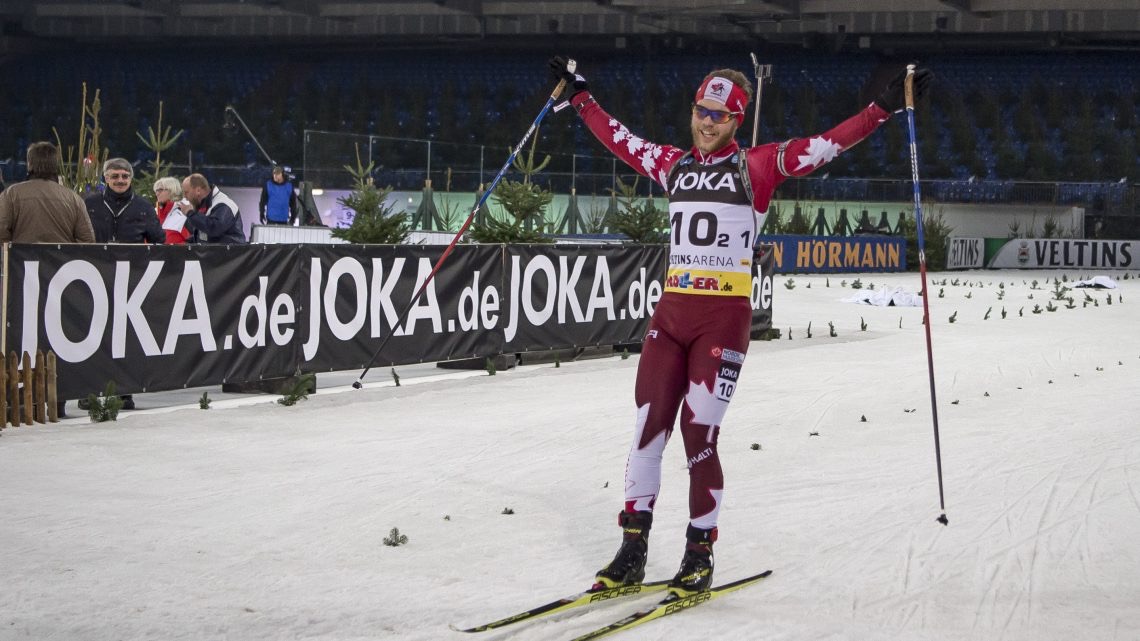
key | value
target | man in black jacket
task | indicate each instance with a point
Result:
(211, 215)
(117, 214)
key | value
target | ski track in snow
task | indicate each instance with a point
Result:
(264, 522)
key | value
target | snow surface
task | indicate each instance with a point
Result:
(259, 521)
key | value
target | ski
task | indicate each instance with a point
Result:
(672, 605)
(582, 599)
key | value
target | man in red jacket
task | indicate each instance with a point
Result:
(697, 340)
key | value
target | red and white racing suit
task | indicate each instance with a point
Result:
(698, 336)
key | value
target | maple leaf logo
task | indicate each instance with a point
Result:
(819, 151)
(645, 152)
(707, 409)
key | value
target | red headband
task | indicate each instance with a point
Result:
(724, 91)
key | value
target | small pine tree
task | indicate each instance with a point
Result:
(774, 222)
(798, 225)
(935, 232)
(523, 201)
(395, 539)
(204, 401)
(298, 390)
(451, 213)
(106, 406)
(638, 218)
(157, 140)
(374, 220)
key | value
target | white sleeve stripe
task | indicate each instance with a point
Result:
(780, 158)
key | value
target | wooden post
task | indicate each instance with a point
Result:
(5, 379)
(3, 395)
(52, 390)
(39, 389)
(14, 388)
(4, 301)
(26, 379)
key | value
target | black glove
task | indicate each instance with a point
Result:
(575, 82)
(893, 98)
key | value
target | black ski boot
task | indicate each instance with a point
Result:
(628, 566)
(696, 570)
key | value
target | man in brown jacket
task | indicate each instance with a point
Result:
(40, 210)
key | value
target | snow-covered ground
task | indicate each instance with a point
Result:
(259, 521)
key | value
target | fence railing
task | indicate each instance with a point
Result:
(407, 165)
(28, 389)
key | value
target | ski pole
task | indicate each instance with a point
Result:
(762, 73)
(909, 93)
(571, 65)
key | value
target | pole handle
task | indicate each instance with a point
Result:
(571, 66)
(908, 87)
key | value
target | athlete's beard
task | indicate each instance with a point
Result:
(721, 135)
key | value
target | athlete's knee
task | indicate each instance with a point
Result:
(704, 459)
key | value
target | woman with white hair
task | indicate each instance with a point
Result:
(166, 191)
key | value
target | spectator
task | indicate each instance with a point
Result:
(166, 191)
(211, 215)
(40, 210)
(278, 202)
(117, 214)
